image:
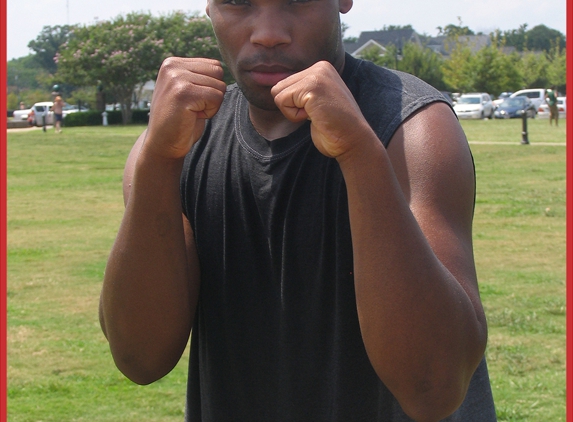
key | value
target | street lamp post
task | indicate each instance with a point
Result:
(524, 136)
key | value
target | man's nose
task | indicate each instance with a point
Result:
(271, 27)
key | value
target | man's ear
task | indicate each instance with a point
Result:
(345, 6)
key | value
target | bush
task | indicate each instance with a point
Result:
(91, 118)
(140, 116)
(94, 118)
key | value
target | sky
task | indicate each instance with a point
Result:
(26, 20)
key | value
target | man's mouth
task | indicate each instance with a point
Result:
(269, 75)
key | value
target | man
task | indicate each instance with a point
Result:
(58, 109)
(324, 259)
(551, 98)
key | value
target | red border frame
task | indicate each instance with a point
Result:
(569, 204)
(3, 218)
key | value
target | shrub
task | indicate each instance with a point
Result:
(94, 118)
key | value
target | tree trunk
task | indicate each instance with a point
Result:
(125, 100)
(126, 111)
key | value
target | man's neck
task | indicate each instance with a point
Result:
(273, 124)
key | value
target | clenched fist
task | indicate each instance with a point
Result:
(187, 92)
(320, 95)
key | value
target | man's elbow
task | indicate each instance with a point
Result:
(433, 402)
(143, 371)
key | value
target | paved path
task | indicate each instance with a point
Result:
(24, 129)
(547, 144)
(552, 144)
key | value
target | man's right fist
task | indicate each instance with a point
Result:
(187, 92)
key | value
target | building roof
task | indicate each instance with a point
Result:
(399, 37)
(384, 38)
(444, 45)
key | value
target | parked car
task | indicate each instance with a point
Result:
(448, 96)
(476, 105)
(512, 108)
(502, 97)
(69, 108)
(536, 95)
(543, 109)
(21, 115)
(42, 109)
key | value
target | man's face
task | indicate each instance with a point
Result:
(265, 41)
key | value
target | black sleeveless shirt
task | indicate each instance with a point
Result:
(276, 335)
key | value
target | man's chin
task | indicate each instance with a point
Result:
(263, 101)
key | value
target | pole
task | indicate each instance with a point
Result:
(524, 138)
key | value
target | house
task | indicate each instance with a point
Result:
(381, 40)
(399, 37)
(444, 45)
(142, 94)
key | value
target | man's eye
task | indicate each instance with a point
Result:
(238, 2)
(299, 1)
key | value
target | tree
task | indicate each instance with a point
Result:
(458, 70)
(494, 72)
(515, 38)
(24, 73)
(423, 63)
(120, 53)
(47, 44)
(397, 27)
(413, 59)
(128, 50)
(534, 68)
(26, 81)
(542, 38)
(343, 28)
(188, 35)
(539, 38)
(83, 96)
(388, 58)
(556, 75)
(455, 31)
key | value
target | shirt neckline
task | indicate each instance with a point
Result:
(263, 149)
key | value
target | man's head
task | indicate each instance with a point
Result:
(264, 41)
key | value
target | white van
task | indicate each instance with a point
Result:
(536, 95)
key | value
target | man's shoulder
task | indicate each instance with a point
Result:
(387, 96)
(232, 91)
(232, 98)
(370, 82)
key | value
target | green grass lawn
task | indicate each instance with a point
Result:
(64, 208)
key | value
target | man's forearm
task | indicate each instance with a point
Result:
(147, 302)
(419, 326)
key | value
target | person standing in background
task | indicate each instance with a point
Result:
(58, 109)
(551, 98)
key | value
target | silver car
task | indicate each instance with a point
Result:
(475, 105)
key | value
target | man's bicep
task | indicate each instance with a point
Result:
(434, 166)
